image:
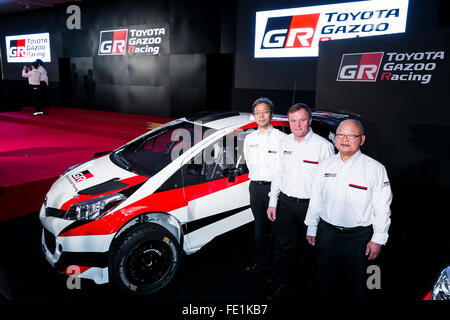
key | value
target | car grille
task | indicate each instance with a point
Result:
(50, 241)
(52, 212)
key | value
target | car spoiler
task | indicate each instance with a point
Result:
(339, 115)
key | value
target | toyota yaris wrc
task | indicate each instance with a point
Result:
(128, 216)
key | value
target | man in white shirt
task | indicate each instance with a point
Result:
(300, 154)
(349, 212)
(43, 73)
(33, 76)
(44, 82)
(261, 152)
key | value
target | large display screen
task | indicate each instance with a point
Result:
(28, 48)
(296, 32)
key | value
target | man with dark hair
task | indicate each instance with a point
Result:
(301, 152)
(265, 101)
(261, 152)
(349, 214)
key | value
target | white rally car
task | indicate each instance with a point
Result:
(128, 216)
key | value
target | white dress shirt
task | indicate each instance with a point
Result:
(297, 165)
(43, 74)
(261, 151)
(33, 77)
(350, 194)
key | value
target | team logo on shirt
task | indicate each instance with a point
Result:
(81, 176)
(330, 175)
(287, 152)
(386, 183)
(357, 186)
(311, 162)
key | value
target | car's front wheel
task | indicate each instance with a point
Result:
(143, 259)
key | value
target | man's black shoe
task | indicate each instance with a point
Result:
(257, 267)
(280, 292)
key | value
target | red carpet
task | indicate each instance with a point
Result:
(35, 150)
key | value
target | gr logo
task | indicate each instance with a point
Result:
(17, 48)
(113, 42)
(290, 32)
(362, 67)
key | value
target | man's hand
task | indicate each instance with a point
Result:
(373, 250)
(272, 213)
(311, 240)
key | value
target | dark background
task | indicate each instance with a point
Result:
(210, 66)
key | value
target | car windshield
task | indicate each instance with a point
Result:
(152, 152)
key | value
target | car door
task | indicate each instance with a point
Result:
(216, 188)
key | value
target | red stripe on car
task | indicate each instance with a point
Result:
(164, 201)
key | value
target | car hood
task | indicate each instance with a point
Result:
(88, 180)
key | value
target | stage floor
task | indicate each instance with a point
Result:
(35, 150)
(213, 275)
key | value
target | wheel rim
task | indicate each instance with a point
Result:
(148, 263)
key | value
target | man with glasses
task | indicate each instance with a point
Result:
(301, 153)
(261, 152)
(349, 213)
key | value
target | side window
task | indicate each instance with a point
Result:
(224, 158)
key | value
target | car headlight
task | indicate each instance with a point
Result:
(441, 289)
(94, 208)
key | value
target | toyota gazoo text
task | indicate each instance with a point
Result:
(129, 215)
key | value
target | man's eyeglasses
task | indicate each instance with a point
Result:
(348, 136)
(257, 113)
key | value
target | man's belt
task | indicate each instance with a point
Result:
(345, 229)
(292, 198)
(261, 182)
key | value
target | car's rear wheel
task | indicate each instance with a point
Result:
(144, 259)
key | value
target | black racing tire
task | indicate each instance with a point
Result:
(144, 259)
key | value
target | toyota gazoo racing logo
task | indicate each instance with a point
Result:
(297, 32)
(416, 66)
(360, 66)
(16, 48)
(113, 42)
(290, 32)
(135, 40)
(28, 47)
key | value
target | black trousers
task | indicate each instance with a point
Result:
(43, 94)
(290, 232)
(264, 243)
(37, 97)
(340, 262)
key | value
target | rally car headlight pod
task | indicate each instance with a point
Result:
(441, 289)
(94, 208)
